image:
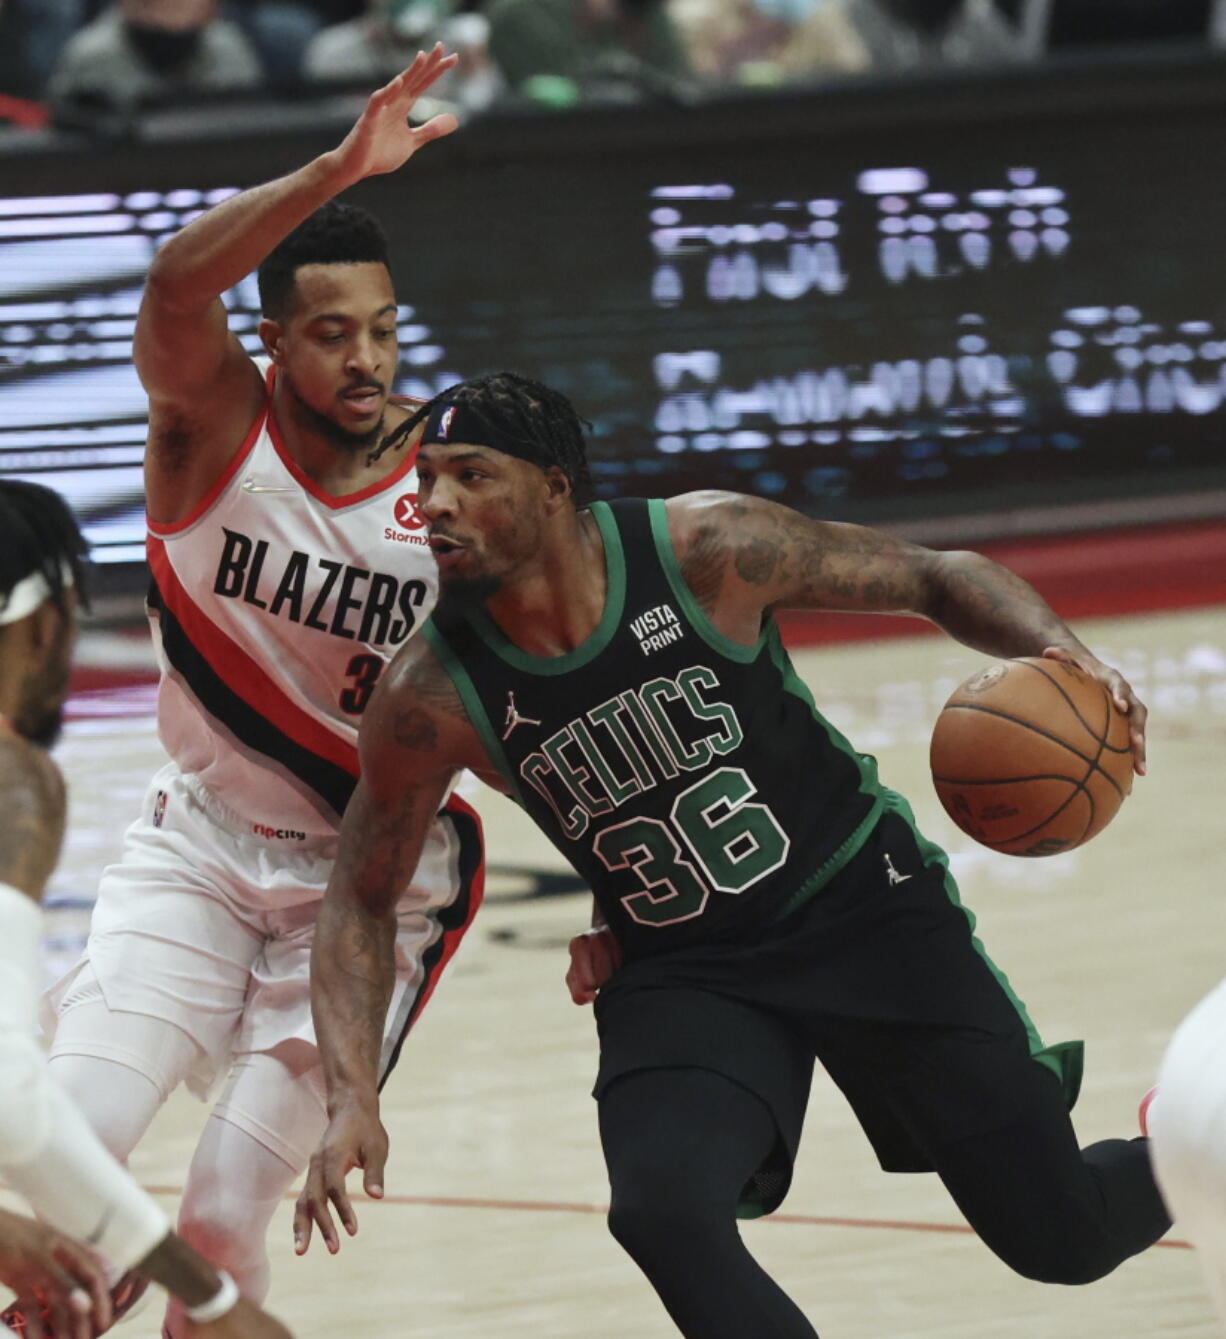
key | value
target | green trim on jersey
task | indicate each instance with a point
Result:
(1065, 1059)
(701, 624)
(472, 705)
(835, 862)
(614, 604)
(791, 682)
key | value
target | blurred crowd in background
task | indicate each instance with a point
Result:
(93, 63)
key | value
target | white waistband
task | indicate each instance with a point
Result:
(258, 829)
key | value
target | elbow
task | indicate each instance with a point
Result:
(170, 286)
(945, 580)
(164, 284)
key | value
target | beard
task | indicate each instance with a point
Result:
(467, 592)
(40, 718)
(331, 431)
(45, 728)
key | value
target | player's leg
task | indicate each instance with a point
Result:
(945, 1045)
(1187, 1122)
(265, 1127)
(158, 996)
(117, 1067)
(680, 1145)
(256, 1142)
(1049, 1209)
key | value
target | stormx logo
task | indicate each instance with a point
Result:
(657, 628)
(410, 523)
(279, 834)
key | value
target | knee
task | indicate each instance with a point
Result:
(653, 1226)
(212, 1234)
(218, 1224)
(1069, 1260)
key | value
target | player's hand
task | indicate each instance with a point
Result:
(1122, 695)
(383, 140)
(594, 956)
(242, 1321)
(355, 1137)
(61, 1288)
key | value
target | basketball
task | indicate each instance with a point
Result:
(1031, 757)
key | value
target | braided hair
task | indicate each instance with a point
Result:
(523, 410)
(40, 535)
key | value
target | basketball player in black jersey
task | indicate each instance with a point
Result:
(764, 898)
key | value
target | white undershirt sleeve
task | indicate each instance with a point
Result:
(48, 1153)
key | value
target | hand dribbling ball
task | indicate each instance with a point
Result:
(1031, 757)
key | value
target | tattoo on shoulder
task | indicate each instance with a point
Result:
(704, 564)
(759, 552)
(757, 561)
(433, 689)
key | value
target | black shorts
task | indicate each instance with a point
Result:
(880, 978)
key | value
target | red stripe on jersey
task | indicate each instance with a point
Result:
(321, 494)
(241, 673)
(219, 486)
(451, 938)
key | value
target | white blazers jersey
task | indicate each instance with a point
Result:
(275, 608)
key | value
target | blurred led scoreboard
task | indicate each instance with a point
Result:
(903, 324)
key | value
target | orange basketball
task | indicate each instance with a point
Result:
(1031, 757)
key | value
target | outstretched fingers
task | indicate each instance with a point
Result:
(311, 1210)
(427, 66)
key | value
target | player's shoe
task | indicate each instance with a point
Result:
(125, 1297)
(1143, 1110)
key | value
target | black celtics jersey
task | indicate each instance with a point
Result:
(690, 780)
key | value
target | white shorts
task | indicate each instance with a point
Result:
(1187, 1125)
(207, 923)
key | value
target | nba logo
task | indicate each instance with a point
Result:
(444, 424)
(159, 809)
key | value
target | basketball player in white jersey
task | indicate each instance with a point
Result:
(48, 1154)
(1186, 1121)
(288, 565)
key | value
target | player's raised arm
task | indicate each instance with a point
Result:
(415, 736)
(203, 389)
(743, 557)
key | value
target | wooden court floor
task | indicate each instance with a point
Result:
(493, 1224)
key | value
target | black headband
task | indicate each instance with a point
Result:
(453, 421)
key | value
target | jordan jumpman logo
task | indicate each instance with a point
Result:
(514, 718)
(891, 873)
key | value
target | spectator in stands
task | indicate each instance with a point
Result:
(138, 52)
(554, 49)
(763, 43)
(33, 33)
(281, 31)
(914, 34)
(378, 45)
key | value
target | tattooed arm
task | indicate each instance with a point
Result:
(415, 737)
(744, 557)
